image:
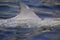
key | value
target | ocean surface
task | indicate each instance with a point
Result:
(42, 8)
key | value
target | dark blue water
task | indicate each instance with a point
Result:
(4, 34)
(41, 36)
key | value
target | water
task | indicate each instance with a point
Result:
(11, 9)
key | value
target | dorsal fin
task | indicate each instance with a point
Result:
(26, 13)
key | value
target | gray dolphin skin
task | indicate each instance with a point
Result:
(28, 17)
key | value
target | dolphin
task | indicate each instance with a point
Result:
(27, 17)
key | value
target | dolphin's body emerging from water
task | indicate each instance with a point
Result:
(27, 16)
